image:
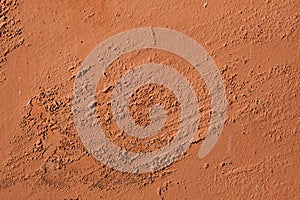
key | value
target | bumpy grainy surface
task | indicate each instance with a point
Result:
(255, 45)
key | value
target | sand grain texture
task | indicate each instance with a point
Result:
(255, 45)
